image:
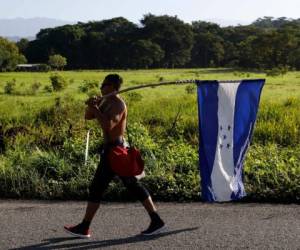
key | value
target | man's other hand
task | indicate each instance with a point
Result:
(93, 101)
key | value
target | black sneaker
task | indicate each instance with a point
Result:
(155, 227)
(78, 231)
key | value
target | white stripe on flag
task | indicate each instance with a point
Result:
(222, 176)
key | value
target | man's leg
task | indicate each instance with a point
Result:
(149, 205)
(156, 224)
(142, 194)
(100, 182)
(91, 210)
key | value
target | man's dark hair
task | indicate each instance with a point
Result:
(115, 79)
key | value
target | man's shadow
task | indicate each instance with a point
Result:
(88, 244)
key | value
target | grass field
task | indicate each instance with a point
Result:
(276, 88)
(289, 83)
(44, 135)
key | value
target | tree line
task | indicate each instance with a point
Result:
(168, 42)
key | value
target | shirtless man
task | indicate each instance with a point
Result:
(111, 114)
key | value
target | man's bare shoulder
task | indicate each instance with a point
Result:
(119, 102)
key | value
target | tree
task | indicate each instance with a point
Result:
(57, 61)
(9, 55)
(22, 45)
(271, 22)
(93, 49)
(166, 41)
(145, 54)
(64, 40)
(108, 42)
(232, 37)
(294, 58)
(173, 36)
(207, 51)
(247, 59)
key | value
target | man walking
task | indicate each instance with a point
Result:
(111, 114)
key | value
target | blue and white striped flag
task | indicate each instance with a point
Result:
(227, 114)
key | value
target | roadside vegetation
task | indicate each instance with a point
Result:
(42, 135)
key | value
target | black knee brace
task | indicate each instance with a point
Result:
(136, 188)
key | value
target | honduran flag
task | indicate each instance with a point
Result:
(227, 114)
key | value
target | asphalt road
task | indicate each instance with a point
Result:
(39, 225)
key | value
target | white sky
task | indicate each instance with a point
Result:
(133, 10)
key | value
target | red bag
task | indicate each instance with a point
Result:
(126, 161)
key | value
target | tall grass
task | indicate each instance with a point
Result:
(44, 136)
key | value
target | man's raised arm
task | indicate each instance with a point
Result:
(110, 118)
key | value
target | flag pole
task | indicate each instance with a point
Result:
(152, 85)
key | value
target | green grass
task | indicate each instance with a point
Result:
(276, 88)
(45, 135)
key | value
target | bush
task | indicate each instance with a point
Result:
(35, 87)
(48, 88)
(272, 173)
(10, 87)
(190, 89)
(171, 171)
(44, 68)
(278, 123)
(58, 82)
(281, 70)
(88, 85)
(160, 78)
(134, 97)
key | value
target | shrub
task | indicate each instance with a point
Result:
(278, 123)
(88, 85)
(291, 101)
(48, 88)
(281, 70)
(273, 72)
(161, 78)
(93, 92)
(35, 87)
(134, 97)
(272, 173)
(44, 68)
(10, 87)
(190, 89)
(58, 82)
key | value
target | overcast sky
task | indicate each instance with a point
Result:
(133, 10)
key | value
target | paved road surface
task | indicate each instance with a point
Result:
(39, 225)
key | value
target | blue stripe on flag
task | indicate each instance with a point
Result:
(208, 101)
(246, 106)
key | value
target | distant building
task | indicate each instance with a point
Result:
(31, 67)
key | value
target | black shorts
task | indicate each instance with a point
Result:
(104, 175)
